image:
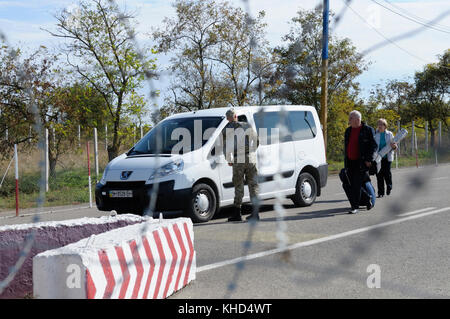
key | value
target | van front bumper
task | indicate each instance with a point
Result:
(167, 199)
(323, 174)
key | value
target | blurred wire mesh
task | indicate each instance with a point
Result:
(418, 181)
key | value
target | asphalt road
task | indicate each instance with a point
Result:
(406, 236)
(401, 246)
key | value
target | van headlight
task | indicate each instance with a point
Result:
(170, 168)
(105, 172)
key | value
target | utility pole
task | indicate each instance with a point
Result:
(324, 86)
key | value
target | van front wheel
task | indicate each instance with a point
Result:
(203, 203)
(305, 190)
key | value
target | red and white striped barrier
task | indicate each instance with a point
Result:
(150, 260)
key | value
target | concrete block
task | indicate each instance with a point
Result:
(48, 235)
(150, 260)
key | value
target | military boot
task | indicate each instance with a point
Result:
(237, 216)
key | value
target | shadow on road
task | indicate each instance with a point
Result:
(332, 201)
(227, 212)
(311, 215)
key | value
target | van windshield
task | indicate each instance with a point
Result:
(178, 136)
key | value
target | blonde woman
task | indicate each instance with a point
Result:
(384, 137)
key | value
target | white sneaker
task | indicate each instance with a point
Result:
(353, 211)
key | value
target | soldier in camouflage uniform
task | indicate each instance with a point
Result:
(240, 142)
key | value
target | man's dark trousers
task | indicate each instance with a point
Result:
(356, 175)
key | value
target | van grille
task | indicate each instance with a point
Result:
(125, 185)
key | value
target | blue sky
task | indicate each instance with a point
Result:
(22, 22)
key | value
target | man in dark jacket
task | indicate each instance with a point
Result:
(360, 146)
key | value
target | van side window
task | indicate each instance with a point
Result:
(302, 125)
(271, 121)
(242, 118)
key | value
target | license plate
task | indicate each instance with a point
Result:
(121, 194)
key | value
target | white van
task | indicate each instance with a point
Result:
(198, 180)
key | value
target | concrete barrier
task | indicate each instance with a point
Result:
(150, 260)
(48, 235)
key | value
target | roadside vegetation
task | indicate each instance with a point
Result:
(69, 186)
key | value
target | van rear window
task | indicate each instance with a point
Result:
(272, 123)
(302, 125)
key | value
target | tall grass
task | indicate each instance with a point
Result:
(68, 186)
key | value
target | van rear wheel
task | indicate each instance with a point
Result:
(305, 190)
(203, 203)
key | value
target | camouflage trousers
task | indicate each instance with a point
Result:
(245, 172)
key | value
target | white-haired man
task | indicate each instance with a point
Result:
(360, 146)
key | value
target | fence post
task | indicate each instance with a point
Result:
(89, 174)
(415, 144)
(54, 137)
(435, 155)
(47, 166)
(412, 138)
(96, 154)
(17, 179)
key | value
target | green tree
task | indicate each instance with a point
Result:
(244, 57)
(88, 107)
(341, 104)
(68, 106)
(297, 79)
(37, 81)
(17, 77)
(191, 36)
(220, 56)
(100, 47)
(431, 95)
(395, 96)
(299, 71)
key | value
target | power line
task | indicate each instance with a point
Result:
(383, 36)
(428, 25)
(405, 35)
(416, 16)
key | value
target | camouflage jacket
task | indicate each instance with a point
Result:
(239, 141)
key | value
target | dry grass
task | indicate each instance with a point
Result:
(68, 187)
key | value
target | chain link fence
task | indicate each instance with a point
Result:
(418, 181)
